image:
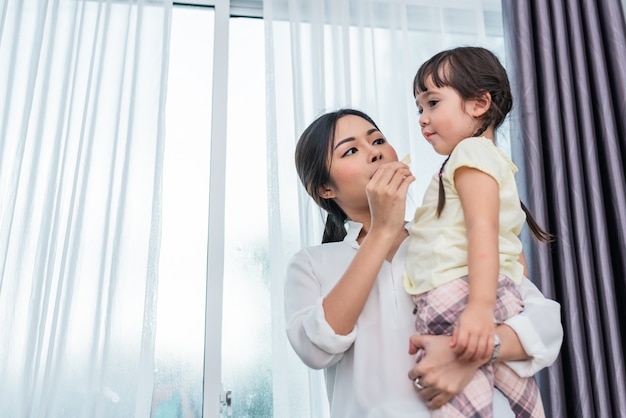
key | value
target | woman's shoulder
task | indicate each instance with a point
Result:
(322, 264)
(322, 251)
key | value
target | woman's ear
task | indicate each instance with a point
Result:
(325, 192)
(481, 105)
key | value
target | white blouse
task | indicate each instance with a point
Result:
(367, 370)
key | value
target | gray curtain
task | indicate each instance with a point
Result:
(567, 60)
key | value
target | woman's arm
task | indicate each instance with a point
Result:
(321, 322)
(538, 329)
(384, 228)
(530, 341)
(441, 371)
(315, 342)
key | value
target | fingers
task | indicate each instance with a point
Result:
(474, 347)
(435, 399)
(415, 343)
(471, 345)
(394, 174)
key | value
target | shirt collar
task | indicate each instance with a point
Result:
(355, 227)
(353, 231)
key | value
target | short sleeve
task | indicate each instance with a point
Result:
(481, 154)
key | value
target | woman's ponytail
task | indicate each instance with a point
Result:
(335, 228)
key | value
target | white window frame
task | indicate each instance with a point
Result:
(212, 373)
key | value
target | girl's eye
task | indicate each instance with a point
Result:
(432, 103)
(420, 110)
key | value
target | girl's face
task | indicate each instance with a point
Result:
(358, 149)
(445, 118)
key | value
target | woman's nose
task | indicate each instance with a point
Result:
(377, 156)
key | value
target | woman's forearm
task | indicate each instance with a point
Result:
(511, 348)
(344, 303)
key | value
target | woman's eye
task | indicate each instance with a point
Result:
(349, 152)
(379, 141)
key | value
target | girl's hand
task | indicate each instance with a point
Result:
(441, 373)
(473, 335)
(386, 194)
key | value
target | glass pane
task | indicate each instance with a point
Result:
(182, 270)
(246, 332)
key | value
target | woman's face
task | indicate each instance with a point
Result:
(357, 151)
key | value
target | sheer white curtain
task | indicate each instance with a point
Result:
(82, 88)
(324, 55)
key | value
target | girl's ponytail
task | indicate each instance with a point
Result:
(538, 232)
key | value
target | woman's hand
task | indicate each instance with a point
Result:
(386, 194)
(441, 374)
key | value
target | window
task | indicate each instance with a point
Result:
(246, 328)
(179, 355)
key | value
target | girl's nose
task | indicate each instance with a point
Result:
(422, 120)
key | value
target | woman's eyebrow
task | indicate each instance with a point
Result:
(351, 138)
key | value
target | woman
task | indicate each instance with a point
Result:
(346, 307)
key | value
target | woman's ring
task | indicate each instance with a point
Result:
(417, 384)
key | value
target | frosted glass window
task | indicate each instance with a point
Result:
(246, 324)
(179, 349)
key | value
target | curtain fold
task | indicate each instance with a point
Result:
(570, 86)
(329, 54)
(82, 85)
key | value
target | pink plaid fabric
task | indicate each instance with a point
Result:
(437, 312)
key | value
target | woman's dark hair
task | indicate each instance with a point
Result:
(473, 72)
(313, 160)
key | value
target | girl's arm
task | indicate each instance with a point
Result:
(479, 194)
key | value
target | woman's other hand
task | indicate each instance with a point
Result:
(442, 375)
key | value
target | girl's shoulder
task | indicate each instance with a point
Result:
(478, 143)
(480, 153)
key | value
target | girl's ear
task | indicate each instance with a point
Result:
(325, 192)
(481, 105)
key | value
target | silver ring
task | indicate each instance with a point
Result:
(417, 384)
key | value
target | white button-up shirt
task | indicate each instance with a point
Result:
(367, 370)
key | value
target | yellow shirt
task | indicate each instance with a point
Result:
(437, 251)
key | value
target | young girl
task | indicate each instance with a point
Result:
(464, 261)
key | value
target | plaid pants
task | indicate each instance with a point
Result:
(437, 312)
